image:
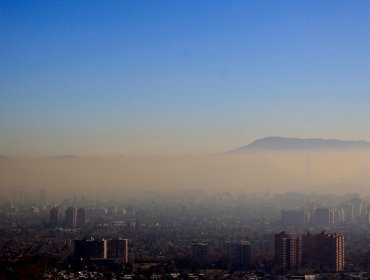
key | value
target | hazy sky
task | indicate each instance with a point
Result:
(143, 77)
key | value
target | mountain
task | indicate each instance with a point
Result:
(64, 157)
(3, 157)
(275, 143)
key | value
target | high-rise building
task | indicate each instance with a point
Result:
(239, 255)
(90, 249)
(322, 216)
(324, 250)
(71, 214)
(288, 251)
(348, 211)
(338, 215)
(200, 254)
(118, 249)
(294, 217)
(54, 218)
(359, 206)
(81, 217)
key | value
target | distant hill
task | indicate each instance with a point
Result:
(3, 157)
(296, 144)
(64, 157)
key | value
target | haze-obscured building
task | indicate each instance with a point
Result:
(322, 217)
(81, 217)
(70, 219)
(54, 217)
(295, 217)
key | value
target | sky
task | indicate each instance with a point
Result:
(106, 78)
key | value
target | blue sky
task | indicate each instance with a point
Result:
(107, 77)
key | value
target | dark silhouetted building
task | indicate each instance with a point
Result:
(200, 254)
(288, 251)
(104, 254)
(81, 217)
(117, 249)
(71, 214)
(239, 255)
(54, 218)
(324, 251)
(90, 249)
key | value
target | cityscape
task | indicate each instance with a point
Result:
(189, 140)
(189, 235)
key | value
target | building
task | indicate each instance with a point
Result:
(245, 254)
(338, 216)
(54, 217)
(348, 212)
(90, 249)
(288, 251)
(322, 217)
(294, 217)
(200, 254)
(81, 217)
(324, 251)
(71, 214)
(118, 249)
(113, 252)
(239, 255)
(359, 206)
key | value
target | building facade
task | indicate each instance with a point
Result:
(117, 249)
(81, 217)
(90, 249)
(71, 215)
(54, 217)
(238, 255)
(324, 251)
(288, 251)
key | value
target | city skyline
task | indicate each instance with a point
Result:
(185, 139)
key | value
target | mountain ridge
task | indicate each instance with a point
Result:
(63, 157)
(277, 143)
